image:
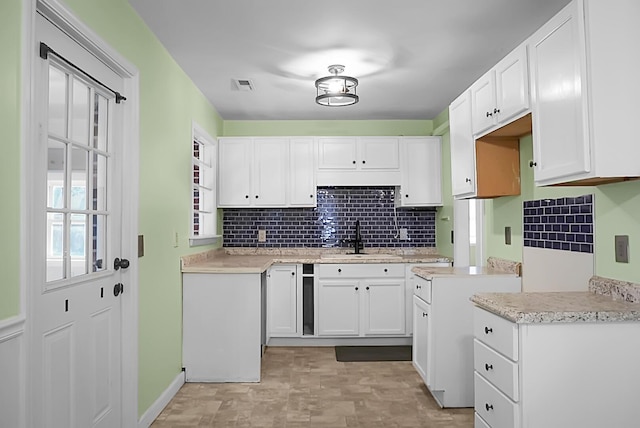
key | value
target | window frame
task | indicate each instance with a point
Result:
(207, 167)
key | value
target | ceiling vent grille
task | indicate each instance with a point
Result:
(244, 85)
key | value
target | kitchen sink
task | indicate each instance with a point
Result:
(360, 256)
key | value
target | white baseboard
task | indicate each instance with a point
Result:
(156, 408)
(12, 373)
(339, 341)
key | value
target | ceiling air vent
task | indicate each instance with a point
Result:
(244, 85)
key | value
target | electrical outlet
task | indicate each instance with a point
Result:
(622, 248)
(262, 235)
(507, 235)
(404, 234)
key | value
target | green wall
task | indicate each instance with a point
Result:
(617, 212)
(10, 52)
(238, 128)
(169, 102)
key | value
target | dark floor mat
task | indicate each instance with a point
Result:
(373, 353)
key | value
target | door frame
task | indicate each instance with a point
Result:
(61, 16)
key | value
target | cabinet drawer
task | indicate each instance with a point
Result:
(479, 422)
(355, 270)
(496, 332)
(493, 406)
(422, 288)
(498, 370)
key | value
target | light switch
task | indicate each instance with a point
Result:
(140, 245)
(622, 248)
(262, 235)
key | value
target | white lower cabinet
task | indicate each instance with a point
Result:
(443, 330)
(282, 301)
(555, 375)
(361, 300)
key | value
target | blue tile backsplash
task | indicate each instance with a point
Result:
(332, 222)
(560, 224)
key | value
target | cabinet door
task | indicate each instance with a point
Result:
(271, 160)
(463, 161)
(512, 85)
(378, 153)
(302, 179)
(421, 313)
(338, 308)
(483, 101)
(337, 153)
(421, 172)
(234, 172)
(559, 85)
(282, 301)
(384, 307)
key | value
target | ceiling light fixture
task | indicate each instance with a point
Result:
(336, 91)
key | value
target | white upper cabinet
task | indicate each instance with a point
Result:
(502, 93)
(337, 153)
(584, 64)
(302, 180)
(253, 172)
(271, 166)
(234, 172)
(358, 161)
(463, 162)
(420, 165)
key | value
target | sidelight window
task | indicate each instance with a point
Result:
(203, 189)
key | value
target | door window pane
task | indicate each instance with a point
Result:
(57, 102)
(101, 123)
(55, 247)
(99, 185)
(79, 178)
(81, 113)
(77, 244)
(56, 160)
(98, 242)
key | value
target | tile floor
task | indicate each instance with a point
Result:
(307, 387)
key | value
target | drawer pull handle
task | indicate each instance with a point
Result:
(488, 330)
(488, 367)
(488, 406)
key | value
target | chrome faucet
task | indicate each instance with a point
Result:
(358, 245)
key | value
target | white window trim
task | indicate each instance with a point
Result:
(199, 134)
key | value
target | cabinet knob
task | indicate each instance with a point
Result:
(256, 196)
(367, 287)
(354, 162)
(488, 367)
(496, 110)
(339, 270)
(246, 196)
(364, 162)
(406, 196)
(386, 269)
(311, 196)
(532, 164)
(488, 330)
(356, 288)
(488, 406)
(489, 114)
(293, 273)
(418, 287)
(467, 180)
(424, 314)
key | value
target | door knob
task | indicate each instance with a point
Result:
(120, 263)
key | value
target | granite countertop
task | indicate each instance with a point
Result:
(248, 260)
(495, 266)
(601, 303)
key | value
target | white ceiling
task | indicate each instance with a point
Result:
(412, 57)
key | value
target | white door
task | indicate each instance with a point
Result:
(234, 172)
(75, 347)
(384, 307)
(338, 308)
(463, 153)
(271, 166)
(421, 313)
(282, 300)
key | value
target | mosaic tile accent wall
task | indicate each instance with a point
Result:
(561, 224)
(332, 222)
